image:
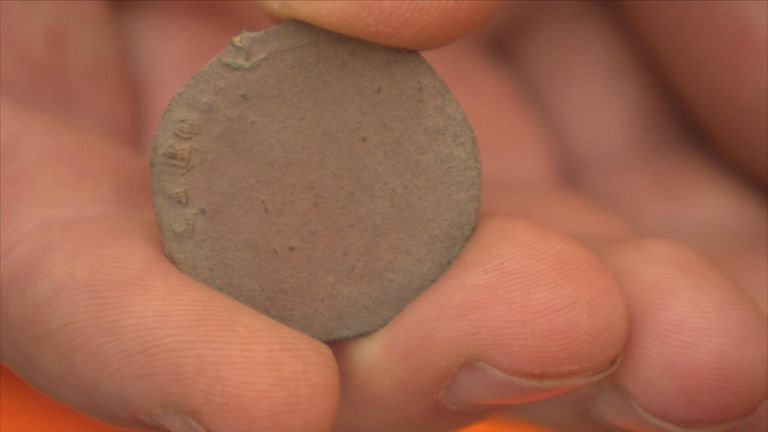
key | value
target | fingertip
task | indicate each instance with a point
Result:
(131, 340)
(696, 356)
(523, 314)
(413, 25)
(561, 289)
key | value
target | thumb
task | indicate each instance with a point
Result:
(415, 25)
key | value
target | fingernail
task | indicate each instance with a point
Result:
(478, 385)
(175, 422)
(615, 409)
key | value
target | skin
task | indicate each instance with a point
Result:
(611, 228)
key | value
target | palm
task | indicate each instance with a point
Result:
(85, 279)
(605, 160)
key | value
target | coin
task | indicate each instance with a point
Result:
(323, 180)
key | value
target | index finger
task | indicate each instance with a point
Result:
(715, 55)
(414, 25)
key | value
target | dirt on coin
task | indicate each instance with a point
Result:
(323, 180)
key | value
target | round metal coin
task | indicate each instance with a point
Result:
(323, 180)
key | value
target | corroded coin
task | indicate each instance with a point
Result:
(322, 180)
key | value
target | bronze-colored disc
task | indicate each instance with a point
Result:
(323, 180)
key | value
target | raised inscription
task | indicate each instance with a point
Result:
(180, 196)
(243, 64)
(185, 128)
(241, 41)
(184, 227)
(177, 154)
(242, 59)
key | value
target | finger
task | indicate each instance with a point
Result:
(697, 351)
(415, 25)
(101, 321)
(625, 146)
(93, 314)
(616, 126)
(65, 59)
(562, 209)
(522, 315)
(716, 55)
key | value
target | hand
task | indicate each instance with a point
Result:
(618, 261)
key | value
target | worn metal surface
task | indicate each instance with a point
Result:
(323, 180)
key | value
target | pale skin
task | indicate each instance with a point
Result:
(622, 235)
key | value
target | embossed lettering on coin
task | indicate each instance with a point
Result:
(185, 128)
(184, 227)
(180, 196)
(178, 154)
(243, 64)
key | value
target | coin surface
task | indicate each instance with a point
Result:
(323, 180)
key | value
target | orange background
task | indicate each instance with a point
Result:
(23, 409)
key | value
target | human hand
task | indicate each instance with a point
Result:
(555, 279)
